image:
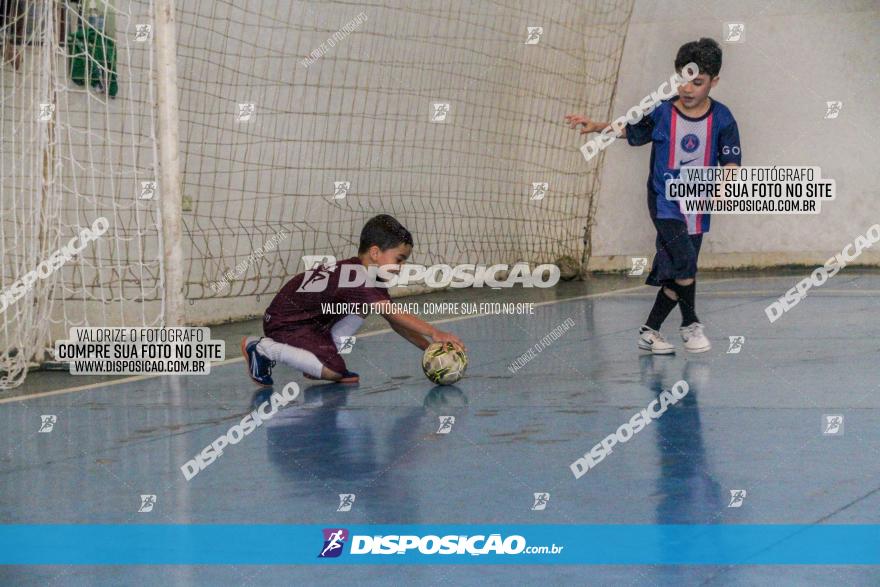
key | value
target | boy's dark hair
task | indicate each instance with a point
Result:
(385, 232)
(706, 53)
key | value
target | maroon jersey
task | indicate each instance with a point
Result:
(300, 303)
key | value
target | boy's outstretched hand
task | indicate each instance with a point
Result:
(414, 329)
(441, 336)
(589, 125)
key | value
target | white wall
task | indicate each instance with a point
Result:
(795, 57)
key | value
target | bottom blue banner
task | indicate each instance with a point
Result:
(439, 544)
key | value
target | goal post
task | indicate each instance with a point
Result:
(170, 194)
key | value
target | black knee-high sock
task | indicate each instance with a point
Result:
(662, 307)
(687, 303)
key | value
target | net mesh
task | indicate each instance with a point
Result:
(343, 95)
(77, 123)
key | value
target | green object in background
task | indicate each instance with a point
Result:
(93, 59)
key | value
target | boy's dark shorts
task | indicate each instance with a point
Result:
(316, 340)
(677, 253)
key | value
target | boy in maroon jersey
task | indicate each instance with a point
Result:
(301, 334)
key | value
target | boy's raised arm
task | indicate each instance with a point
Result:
(589, 125)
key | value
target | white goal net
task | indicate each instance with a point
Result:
(77, 120)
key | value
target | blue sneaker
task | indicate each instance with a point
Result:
(259, 367)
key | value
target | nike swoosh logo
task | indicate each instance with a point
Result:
(680, 163)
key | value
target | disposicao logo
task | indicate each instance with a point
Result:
(334, 540)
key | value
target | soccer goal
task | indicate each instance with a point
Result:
(224, 140)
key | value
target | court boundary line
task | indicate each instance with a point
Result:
(135, 378)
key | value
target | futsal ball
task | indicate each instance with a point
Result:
(444, 363)
(569, 268)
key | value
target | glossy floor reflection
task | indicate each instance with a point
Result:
(752, 421)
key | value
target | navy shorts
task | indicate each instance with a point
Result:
(677, 253)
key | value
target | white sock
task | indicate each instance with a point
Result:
(346, 327)
(295, 357)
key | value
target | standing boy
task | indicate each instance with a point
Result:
(688, 129)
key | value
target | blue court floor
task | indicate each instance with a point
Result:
(752, 420)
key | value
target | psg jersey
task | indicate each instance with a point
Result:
(679, 140)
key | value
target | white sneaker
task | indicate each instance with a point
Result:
(652, 340)
(694, 339)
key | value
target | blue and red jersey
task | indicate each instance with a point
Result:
(678, 141)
